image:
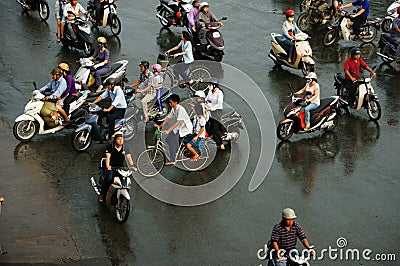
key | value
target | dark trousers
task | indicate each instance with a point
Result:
(67, 102)
(181, 69)
(216, 127)
(108, 179)
(114, 114)
(99, 11)
(357, 22)
(351, 88)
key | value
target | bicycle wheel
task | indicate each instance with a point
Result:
(199, 75)
(184, 156)
(150, 162)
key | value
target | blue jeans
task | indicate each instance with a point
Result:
(307, 110)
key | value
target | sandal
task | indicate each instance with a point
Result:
(194, 158)
(169, 163)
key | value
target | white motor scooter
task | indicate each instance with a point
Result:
(303, 53)
(391, 14)
(86, 81)
(31, 122)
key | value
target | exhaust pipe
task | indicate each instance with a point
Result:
(162, 18)
(270, 55)
(390, 59)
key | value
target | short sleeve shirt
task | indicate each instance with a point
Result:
(199, 121)
(185, 125)
(117, 158)
(395, 25)
(287, 239)
(364, 5)
(354, 67)
(187, 46)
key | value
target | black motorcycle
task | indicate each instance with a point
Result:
(168, 16)
(110, 17)
(84, 36)
(36, 5)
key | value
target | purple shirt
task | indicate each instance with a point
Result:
(102, 56)
(192, 16)
(287, 239)
(70, 86)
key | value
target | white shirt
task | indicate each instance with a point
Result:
(215, 100)
(185, 126)
(78, 10)
(199, 121)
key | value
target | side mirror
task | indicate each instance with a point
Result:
(34, 85)
(224, 18)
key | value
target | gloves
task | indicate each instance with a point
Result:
(96, 66)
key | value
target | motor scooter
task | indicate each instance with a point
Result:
(391, 14)
(313, 16)
(388, 48)
(84, 78)
(118, 194)
(110, 15)
(365, 96)
(167, 16)
(324, 117)
(215, 42)
(344, 30)
(84, 36)
(294, 258)
(303, 53)
(40, 5)
(32, 122)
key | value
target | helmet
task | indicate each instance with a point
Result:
(214, 81)
(110, 81)
(157, 67)
(145, 64)
(398, 10)
(200, 94)
(311, 75)
(288, 214)
(289, 13)
(203, 4)
(56, 71)
(102, 40)
(63, 66)
(355, 51)
(118, 134)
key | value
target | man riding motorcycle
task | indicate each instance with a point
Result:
(361, 15)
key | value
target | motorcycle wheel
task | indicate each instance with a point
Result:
(122, 211)
(44, 10)
(372, 33)
(330, 37)
(303, 22)
(302, 5)
(115, 25)
(283, 132)
(335, 123)
(25, 130)
(166, 108)
(218, 56)
(307, 68)
(199, 75)
(150, 162)
(165, 14)
(386, 25)
(374, 110)
(78, 144)
(88, 48)
(130, 129)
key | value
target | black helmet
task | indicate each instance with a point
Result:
(110, 81)
(145, 64)
(355, 51)
(213, 81)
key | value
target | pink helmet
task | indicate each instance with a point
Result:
(157, 67)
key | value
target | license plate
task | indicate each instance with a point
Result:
(216, 34)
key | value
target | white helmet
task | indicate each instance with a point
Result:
(288, 214)
(311, 75)
(200, 94)
(203, 4)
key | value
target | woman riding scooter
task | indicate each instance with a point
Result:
(290, 30)
(103, 55)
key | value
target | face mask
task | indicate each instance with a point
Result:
(290, 19)
(309, 80)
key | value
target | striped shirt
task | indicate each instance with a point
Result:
(287, 239)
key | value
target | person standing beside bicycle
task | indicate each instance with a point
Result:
(182, 127)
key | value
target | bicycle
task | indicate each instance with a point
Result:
(197, 73)
(151, 161)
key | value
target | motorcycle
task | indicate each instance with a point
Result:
(118, 193)
(167, 16)
(324, 117)
(293, 258)
(230, 125)
(344, 30)
(215, 42)
(40, 5)
(388, 48)
(365, 96)
(391, 14)
(110, 17)
(91, 129)
(32, 122)
(84, 36)
(303, 53)
(84, 79)
(313, 16)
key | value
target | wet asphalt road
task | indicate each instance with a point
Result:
(342, 184)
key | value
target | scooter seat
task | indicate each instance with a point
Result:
(323, 104)
(114, 68)
(388, 38)
(339, 77)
